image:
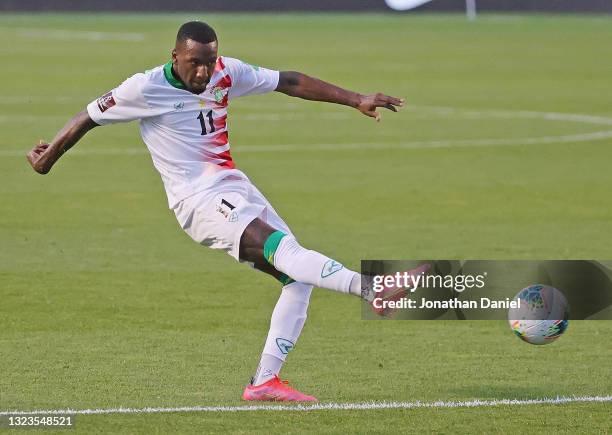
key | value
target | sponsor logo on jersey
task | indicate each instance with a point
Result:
(330, 267)
(222, 211)
(106, 101)
(230, 215)
(179, 105)
(284, 345)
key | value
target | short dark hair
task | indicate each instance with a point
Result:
(196, 31)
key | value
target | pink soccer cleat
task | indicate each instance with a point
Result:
(275, 390)
(396, 293)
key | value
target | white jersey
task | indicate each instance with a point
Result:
(186, 134)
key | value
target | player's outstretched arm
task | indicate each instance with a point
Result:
(44, 155)
(300, 85)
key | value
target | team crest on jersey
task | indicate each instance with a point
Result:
(106, 101)
(179, 106)
(219, 94)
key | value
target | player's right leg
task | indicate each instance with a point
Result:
(285, 254)
(282, 251)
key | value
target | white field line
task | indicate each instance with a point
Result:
(441, 111)
(574, 138)
(79, 34)
(254, 107)
(476, 403)
(27, 99)
(516, 114)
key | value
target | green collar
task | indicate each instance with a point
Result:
(171, 78)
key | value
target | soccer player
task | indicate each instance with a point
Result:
(182, 109)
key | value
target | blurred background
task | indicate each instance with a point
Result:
(311, 5)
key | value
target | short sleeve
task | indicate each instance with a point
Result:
(124, 103)
(250, 79)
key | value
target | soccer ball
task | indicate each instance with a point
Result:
(542, 315)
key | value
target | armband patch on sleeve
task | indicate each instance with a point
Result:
(106, 101)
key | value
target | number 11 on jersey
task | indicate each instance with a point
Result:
(202, 117)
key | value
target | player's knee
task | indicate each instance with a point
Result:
(253, 239)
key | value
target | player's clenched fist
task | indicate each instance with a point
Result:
(38, 158)
(43, 156)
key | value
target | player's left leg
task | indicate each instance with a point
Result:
(216, 218)
(286, 324)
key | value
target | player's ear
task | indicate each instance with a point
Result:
(174, 56)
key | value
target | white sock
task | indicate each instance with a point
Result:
(269, 366)
(311, 267)
(355, 286)
(287, 321)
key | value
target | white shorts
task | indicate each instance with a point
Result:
(217, 216)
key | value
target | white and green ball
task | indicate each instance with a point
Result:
(542, 315)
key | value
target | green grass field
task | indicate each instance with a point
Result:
(105, 302)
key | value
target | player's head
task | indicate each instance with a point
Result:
(195, 55)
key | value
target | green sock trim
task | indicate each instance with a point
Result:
(284, 279)
(271, 245)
